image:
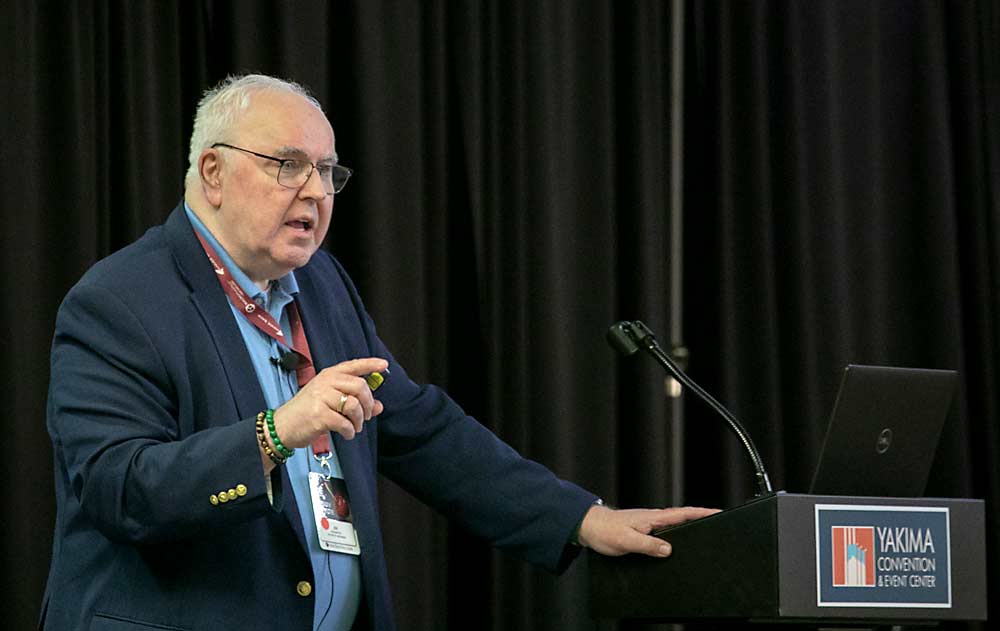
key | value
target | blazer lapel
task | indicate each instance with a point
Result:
(212, 304)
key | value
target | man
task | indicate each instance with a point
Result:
(197, 378)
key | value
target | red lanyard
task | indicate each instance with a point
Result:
(263, 321)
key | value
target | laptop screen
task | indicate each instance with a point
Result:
(884, 431)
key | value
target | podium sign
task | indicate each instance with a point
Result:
(808, 558)
(882, 556)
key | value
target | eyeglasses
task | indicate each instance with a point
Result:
(294, 173)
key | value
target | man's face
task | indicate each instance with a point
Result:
(267, 228)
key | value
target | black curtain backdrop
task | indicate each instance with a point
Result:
(511, 200)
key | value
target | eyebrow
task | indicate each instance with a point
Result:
(298, 154)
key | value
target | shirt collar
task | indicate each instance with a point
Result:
(286, 283)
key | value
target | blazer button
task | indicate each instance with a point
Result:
(214, 500)
(241, 490)
(304, 588)
(223, 497)
(232, 494)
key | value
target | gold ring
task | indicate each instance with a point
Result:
(343, 402)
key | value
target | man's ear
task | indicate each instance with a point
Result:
(210, 172)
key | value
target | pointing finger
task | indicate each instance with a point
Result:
(360, 367)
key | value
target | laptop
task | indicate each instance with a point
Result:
(884, 431)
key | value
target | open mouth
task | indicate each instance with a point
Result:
(305, 225)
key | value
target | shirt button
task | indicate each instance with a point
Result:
(304, 588)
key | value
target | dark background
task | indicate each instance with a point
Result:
(512, 199)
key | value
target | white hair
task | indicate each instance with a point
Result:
(221, 107)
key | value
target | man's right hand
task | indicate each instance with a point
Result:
(337, 399)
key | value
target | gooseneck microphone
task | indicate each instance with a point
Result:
(627, 337)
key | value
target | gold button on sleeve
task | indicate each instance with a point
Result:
(214, 500)
(223, 497)
(241, 490)
(232, 494)
(304, 588)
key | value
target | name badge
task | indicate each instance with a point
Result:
(332, 512)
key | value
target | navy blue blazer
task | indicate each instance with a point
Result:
(151, 411)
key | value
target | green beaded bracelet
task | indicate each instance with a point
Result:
(269, 419)
(284, 451)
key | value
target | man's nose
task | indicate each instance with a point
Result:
(313, 188)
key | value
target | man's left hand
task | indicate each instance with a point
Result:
(617, 532)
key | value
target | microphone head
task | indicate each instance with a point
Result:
(288, 361)
(620, 338)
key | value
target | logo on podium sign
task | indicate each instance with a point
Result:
(882, 556)
(853, 556)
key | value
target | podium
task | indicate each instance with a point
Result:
(828, 560)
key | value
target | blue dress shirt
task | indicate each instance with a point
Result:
(336, 577)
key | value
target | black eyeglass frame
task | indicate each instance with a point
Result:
(334, 168)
